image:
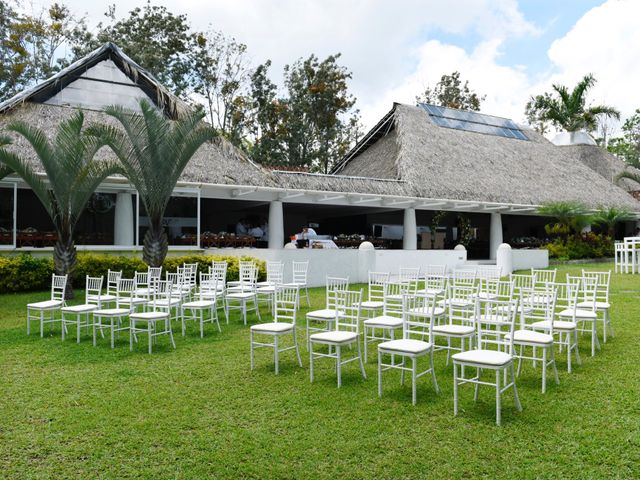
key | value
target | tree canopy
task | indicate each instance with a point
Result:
(451, 92)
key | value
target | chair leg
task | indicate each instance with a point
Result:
(149, 328)
(113, 341)
(433, 372)
(515, 389)
(379, 374)
(41, 324)
(413, 381)
(251, 349)
(498, 403)
(569, 351)
(455, 388)
(276, 353)
(365, 344)
(544, 370)
(78, 326)
(201, 323)
(555, 369)
(364, 374)
(295, 342)
(310, 361)
(476, 390)
(339, 364)
(575, 339)
(132, 326)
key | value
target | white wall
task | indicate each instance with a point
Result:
(523, 259)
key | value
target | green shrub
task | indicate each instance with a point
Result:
(27, 273)
(587, 245)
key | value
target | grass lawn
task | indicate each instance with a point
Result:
(75, 411)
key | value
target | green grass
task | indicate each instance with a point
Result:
(75, 411)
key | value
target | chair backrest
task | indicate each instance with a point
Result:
(335, 285)
(436, 270)
(154, 272)
(179, 281)
(501, 289)
(300, 270)
(543, 276)
(141, 279)
(93, 290)
(488, 272)
(348, 305)
(567, 293)
(112, 281)
(603, 282)
(125, 291)
(422, 324)
(588, 291)
(161, 293)
(191, 270)
(58, 287)
(208, 286)
(411, 277)
(464, 276)
(435, 283)
(521, 281)
(286, 303)
(461, 302)
(492, 313)
(248, 277)
(393, 293)
(539, 304)
(219, 269)
(377, 281)
(275, 273)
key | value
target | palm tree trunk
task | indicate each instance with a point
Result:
(156, 245)
(65, 259)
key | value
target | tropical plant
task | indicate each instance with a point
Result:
(72, 175)
(451, 92)
(609, 217)
(153, 151)
(567, 109)
(569, 217)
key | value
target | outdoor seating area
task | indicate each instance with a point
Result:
(486, 326)
(627, 258)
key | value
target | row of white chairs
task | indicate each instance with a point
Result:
(626, 255)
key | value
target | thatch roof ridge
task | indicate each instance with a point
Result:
(158, 93)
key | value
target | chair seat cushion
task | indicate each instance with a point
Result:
(456, 303)
(529, 336)
(295, 284)
(405, 345)
(111, 312)
(142, 291)
(149, 316)
(199, 304)
(430, 292)
(101, 298)
(557, 325)
(244, 289)
(383, 321)
(579, 313)
(267, 289)
(334, 336)
(324, 314)
(241, 295)
(165, 303)
(536, 299)
(487, 296)
(483, 357)
(453, 329)
(133, 300)
(372, 305)
(497, 319)
(599, 305)
(273, 327)
(425, 311)
(85, 307)
(45, 305)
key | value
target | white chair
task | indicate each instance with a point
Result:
(418, 316)
(463, 276)
(585, 313)
(346, 333)
(620, 257)
(434, 285)
(375, 294)
(266, 290)
(141, 285)
(299, 279)
(284, 324)
(488, 272)
(126, 303)
(36, 311)
(391, 318)
(112, 289)
(240, 297)
(435, 270)
(566, 328)
(543, 276)
(490, 354)
(459, 310)
(195, 310)
(219, 270)
(243, 267)
(191, 272)
(525, 337)
(410, 276)
(179, 293)
(602, 304)
(156, 320)
(80, 313)
(326, 316)
(521, 281)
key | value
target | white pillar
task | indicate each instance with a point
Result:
(276, 225)
(410, 235)
(504, 259)
(123, 222)
(495, 234)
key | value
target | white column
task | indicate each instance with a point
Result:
(410, 235)
(276, 225)
(495, 235)
(123, 222)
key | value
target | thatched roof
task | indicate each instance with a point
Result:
(437, 162)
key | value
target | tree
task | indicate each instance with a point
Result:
(152, 36)
(153, 152)
(72, 175)
(451, 92)
(568, 110)
(569, 217)
(610, 217)
(627, 147)
(220, 76)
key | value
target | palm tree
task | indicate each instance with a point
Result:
(609, 217)
(153, 152)
(569, 216)
(72, 175)
(567, 110)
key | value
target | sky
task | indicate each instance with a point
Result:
(507, 49)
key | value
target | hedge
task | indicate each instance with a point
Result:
(26, 273)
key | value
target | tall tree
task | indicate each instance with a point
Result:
(568, 110)
(451, 92)
(157, 39)
(72, 175)
(627, 147)
(153, 152)
(220, 77)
